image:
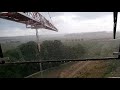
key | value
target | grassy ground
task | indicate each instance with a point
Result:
(52, 72)
(113, 69)
(95, 69)
(89, 69)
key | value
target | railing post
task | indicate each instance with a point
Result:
(1, 54)
(119, 52)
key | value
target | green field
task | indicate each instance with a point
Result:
(89, 69)
(68, 50)
(52, 72)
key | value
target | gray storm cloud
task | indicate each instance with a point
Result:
(66, 22)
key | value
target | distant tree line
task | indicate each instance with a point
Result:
(54, 50)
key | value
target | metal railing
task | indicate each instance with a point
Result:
(63, 60)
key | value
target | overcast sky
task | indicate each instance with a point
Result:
(66, 22)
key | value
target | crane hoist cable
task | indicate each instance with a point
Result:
(38, 42)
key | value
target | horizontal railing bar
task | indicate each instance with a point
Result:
(63, 60)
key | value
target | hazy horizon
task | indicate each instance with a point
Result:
(63, 34)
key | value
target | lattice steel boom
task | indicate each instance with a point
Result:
(33, 20)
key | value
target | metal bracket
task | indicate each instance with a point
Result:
(117, 53)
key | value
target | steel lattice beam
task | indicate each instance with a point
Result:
(32, 19)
